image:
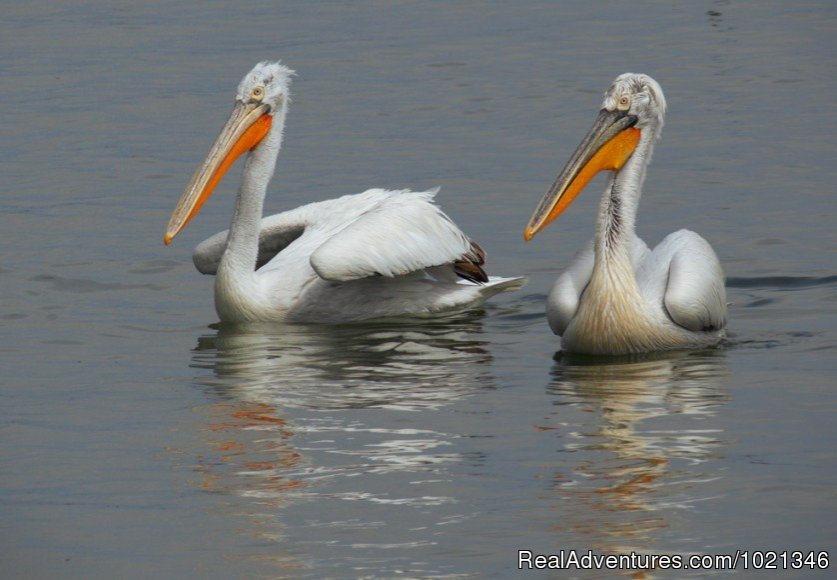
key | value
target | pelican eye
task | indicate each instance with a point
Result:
(624, 103)
(257, 93)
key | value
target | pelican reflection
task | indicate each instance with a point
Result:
(404, 366)
(295, 414)
(641, 445)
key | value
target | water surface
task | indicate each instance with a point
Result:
(138, 438)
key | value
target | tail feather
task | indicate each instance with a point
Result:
(469, 265)
(497, 284)
(471, 272)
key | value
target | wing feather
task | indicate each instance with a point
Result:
(565, 296)
(403, 233)
(276, 232)
(695, 297)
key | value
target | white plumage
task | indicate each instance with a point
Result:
(376, 254)
(617, 296)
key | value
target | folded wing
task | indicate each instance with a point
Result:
(403, 233)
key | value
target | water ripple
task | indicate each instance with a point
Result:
(407, 368)
(781, 282)
(634, 440)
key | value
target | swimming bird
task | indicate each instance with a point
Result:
(617, 296)
(376, 254)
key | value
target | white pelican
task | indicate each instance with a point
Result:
(376, 254)
(617, 296)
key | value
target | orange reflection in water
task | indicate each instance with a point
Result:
(249, 451)
(644, 450)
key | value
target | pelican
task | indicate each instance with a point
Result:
(617, 296)
(376, 254)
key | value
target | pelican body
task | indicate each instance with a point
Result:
(376, 254)
(617, 296)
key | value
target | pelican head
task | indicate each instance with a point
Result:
(633, 108)
(268, 83)
(261, 94)
(644, 99)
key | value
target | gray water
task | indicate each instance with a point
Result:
(139, 439)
